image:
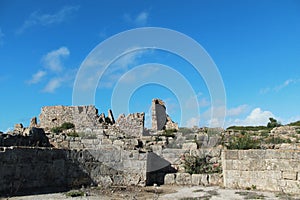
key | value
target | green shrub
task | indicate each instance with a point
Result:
(169, 133)
(67, 125)
(64, 126)
(243, 141)
(73, 134)
(273, 123)
(200, 165)
(56, 130)
(75, 193)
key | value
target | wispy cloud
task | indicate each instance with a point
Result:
(139, 20)
(237, 111)
(37, 77)
(53, 70)
(52, 60)
(44, 19)
(1, 37)
(278, 88)
(52, 85)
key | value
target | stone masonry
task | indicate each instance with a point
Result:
(80, 116)
(132, 125)
(272, 170)
(160, 119)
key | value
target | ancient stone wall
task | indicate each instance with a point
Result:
(132, 125)
(80, 116)
(273, 170)
(31, 170)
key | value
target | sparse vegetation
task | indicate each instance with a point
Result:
(297, 123)
(64, 126)
(243, 141)
(277, 140)
(73, 134)
(200, 165)
(169, 133)
(249, 128)
(75, 193)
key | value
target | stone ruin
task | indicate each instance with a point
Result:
(160, 119)
(118, 153)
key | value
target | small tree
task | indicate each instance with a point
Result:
(273, 123)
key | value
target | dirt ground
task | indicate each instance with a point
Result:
(162, 193)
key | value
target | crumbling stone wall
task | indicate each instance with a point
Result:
(80, 116)
(132, 125)
(160, 119)
(273, 170)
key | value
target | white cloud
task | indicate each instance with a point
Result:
(237, 111)
(1, 37)
(279, 87)
(52, 60)
(52, 85)
(36, 18)
(257, 117)
(140, 20)
(37, 77)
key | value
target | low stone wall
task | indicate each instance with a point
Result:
(39, 170)
(193, 179)
(272, 170)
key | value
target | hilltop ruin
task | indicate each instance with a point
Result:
(75, 146)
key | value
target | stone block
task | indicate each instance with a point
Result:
(169, 179)
(214, 179)
(289, 175)
(183, 179)
(189, 146)
(231, 154)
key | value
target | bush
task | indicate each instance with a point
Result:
(67, 125)
(73, 134)
(56, 130)
(200, 165)
(243, 141)
(64, 126)
(169, 133)
(273, 123)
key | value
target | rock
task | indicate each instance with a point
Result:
(111, 116)
(183, 179)
(189, 146)
(160, 119)
(33, 122)
(169, 179)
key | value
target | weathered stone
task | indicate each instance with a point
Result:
(169, 179)
(160, 119)
(132, 125)
(189, 146)
(33, 122)
(289, 175)
(81, 116)
(183, 179)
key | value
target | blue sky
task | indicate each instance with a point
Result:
(255, 45)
